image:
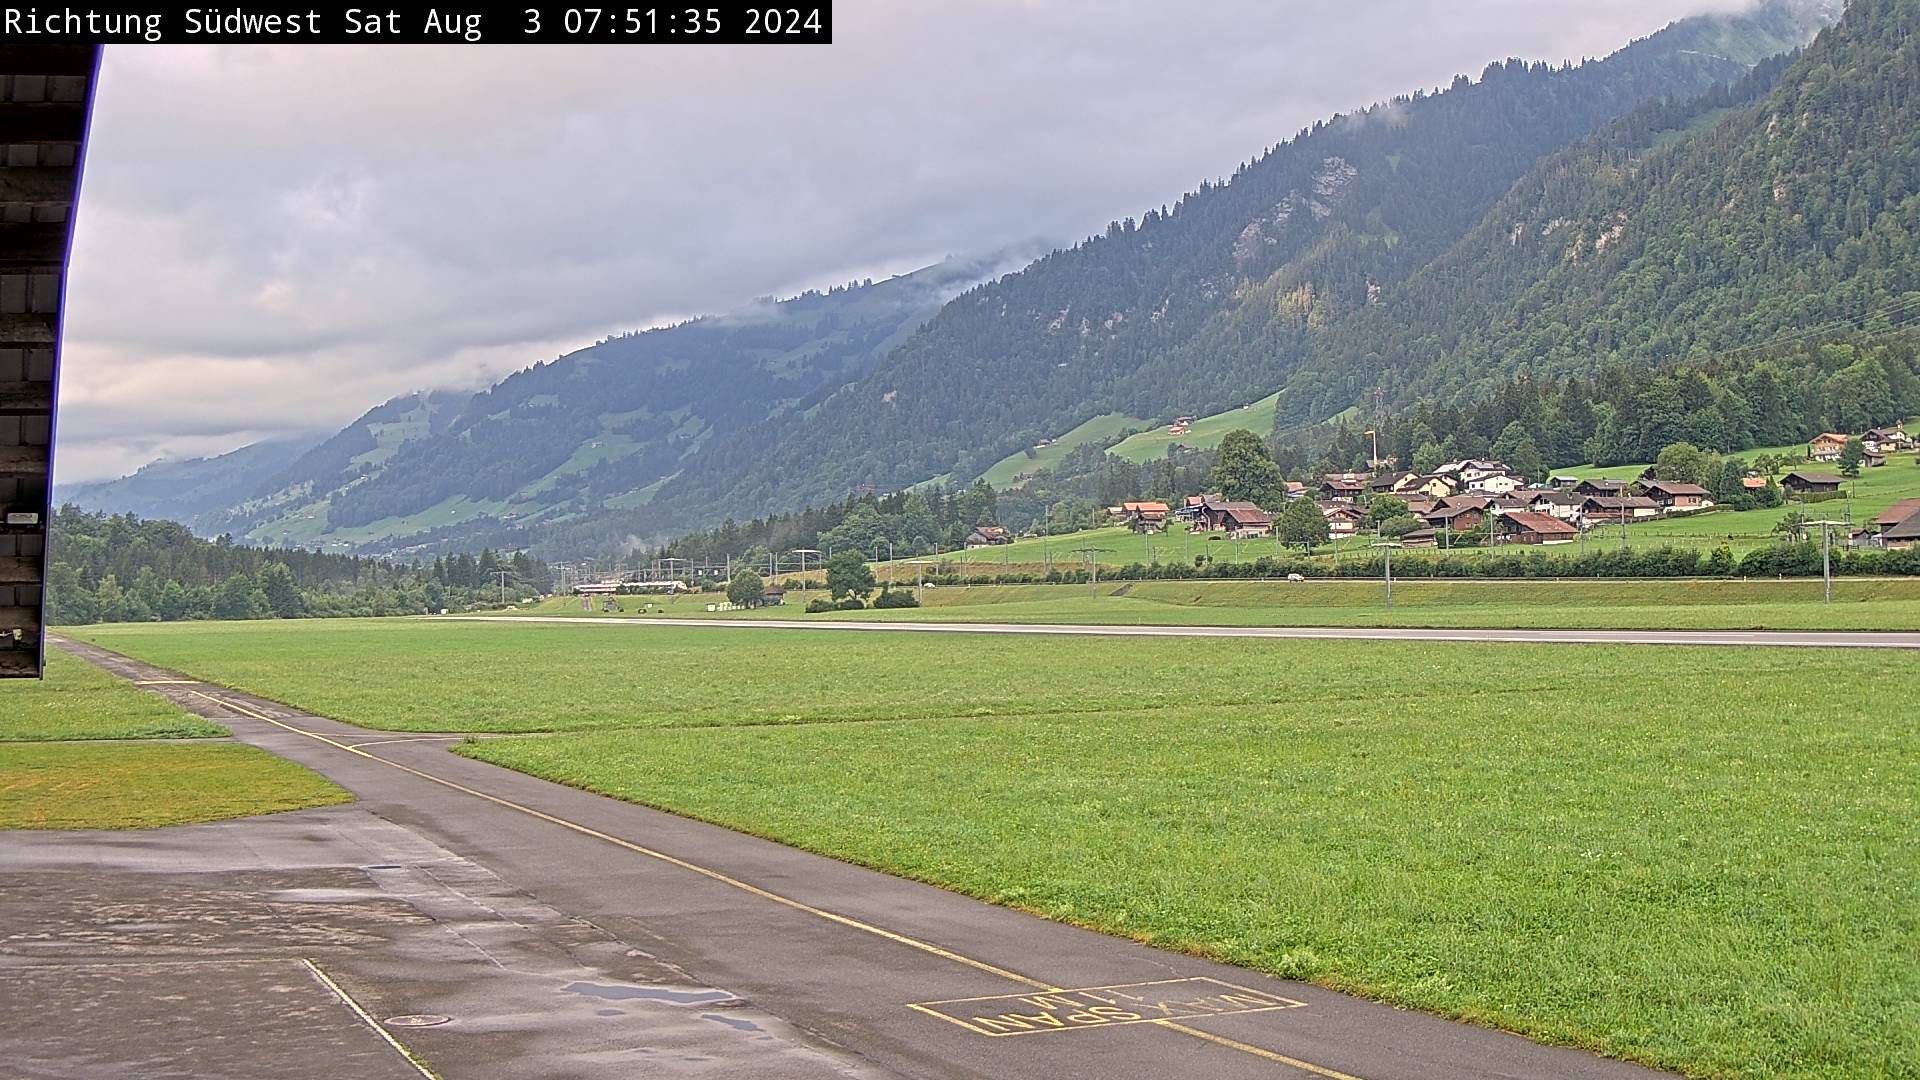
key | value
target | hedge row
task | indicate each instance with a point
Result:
(1781, 560)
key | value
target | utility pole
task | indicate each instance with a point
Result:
(1386, 552)
(1826, 558)
(1093, 569)
(502, 575)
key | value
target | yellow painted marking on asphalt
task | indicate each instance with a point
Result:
(1256, 1051)
(412, 1058)
(584, 830)
(754, 890)
(1093, 1007)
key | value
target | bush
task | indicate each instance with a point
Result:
(890, 598)
(819, 604)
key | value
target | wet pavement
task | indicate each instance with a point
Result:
(570, 935)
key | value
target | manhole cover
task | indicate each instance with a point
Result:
(414, 1020)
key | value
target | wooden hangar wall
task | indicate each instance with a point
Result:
(45, 94)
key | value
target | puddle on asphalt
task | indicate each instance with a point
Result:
(609, 992)
(326, 896)
(732, 1021)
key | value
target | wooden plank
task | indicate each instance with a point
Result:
(37, 186)
(15, 570)
(30, 397)
(23, 459)
(47, 122)
(34, 245)
(20, 618)
(20, 663)
(25, 331)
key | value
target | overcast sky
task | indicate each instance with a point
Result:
(274, 240)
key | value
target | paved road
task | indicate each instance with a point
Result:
(1775, 638)
(866, 974)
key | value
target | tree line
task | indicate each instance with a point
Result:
(121, 568)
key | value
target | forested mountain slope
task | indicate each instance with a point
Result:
(597, 428)
(1326, 223)
(1788, 206)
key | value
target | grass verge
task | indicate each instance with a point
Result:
(131, 786)
(79, 701)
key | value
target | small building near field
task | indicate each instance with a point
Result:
(1493, 483)
(1827, 446)
(1614, 509)
(1343, 519)
(1902, 535)
(1239, 520)
(1753, 483)
(1563, 504)
(1343, 488)
(1888, 439)
(1456, 515)
(1810, 483)
(987, 536)
(1673, 495)
(1145, 517)
(773, 596)
(1532, 527)
(1601, 487)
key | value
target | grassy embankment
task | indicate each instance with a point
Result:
(70, 758)
(1699, 858)
(1588, 605)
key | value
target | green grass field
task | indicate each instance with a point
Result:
(1708, 604)
(1100, 429)
(1702, 858)
(71, 758)
(1206, 432)
(134, 786)
(79, 701)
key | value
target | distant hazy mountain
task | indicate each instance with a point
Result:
(192, 491)
(596, 430)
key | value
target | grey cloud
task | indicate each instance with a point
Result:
(277, 239)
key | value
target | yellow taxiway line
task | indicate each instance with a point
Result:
(755, 890)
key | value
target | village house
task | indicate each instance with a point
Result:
(1343, 519)
(1492, 483)
(1343, 487)
(1673, 495)
(1193, 506)
(1890, 439)
(1753, 483)
(1435, 486)
(1144, 517)
(1564, 505)
(1529, 527)
(986, 536)
(1457, 514)
(1392, 483)
(1239, 520)
(1900, 513)
(1826, 446)
(1563, 482)
(1296, 490)
(1810, 483)
(1904, 535)
(1600, 487)
(1615, 509)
